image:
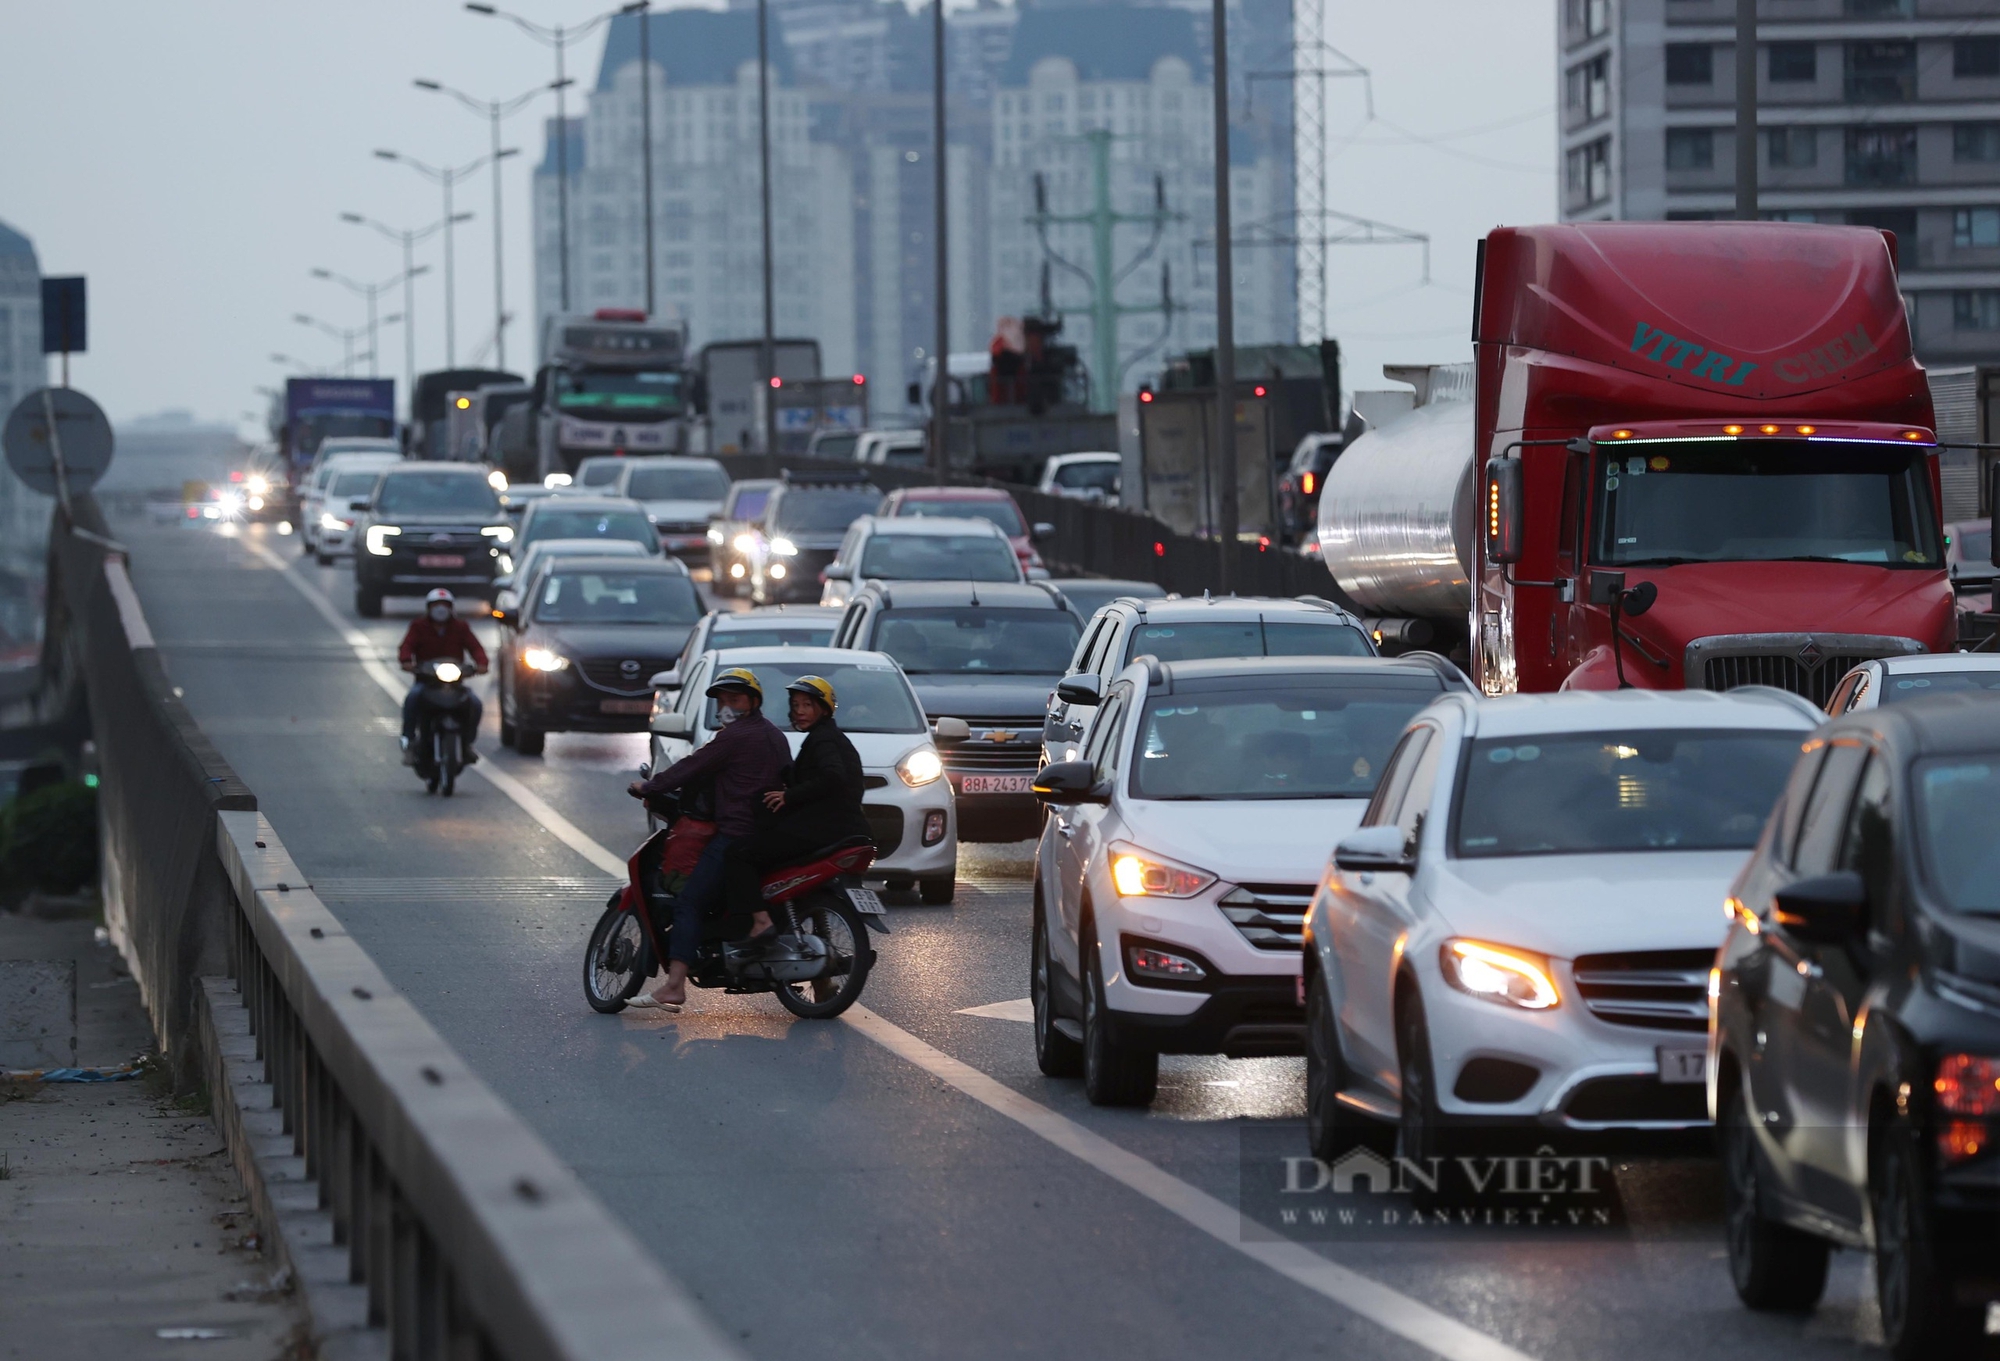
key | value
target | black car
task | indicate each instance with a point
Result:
(742, 511)
(985, 652)
(580, 651)
(804, 523)
(428, 525)
(1854, 1051)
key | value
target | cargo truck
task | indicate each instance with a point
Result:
(611, 382)
(429, 432)
(1686, 455)
(318, 407)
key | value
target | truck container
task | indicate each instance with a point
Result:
(1686, 454)
(731, 372)
(428, 435)
(612, 381)
(318, 407)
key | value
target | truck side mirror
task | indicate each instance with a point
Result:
(1606, 588)
(1504, 510)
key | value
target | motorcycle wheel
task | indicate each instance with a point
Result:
(448, 764)
(846, 937)
(616, 962)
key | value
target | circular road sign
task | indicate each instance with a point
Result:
(82, 428)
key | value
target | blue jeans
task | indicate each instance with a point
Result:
(701, 894)
(473, 710)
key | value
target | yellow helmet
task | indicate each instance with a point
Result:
(737, 678)
(818, 687)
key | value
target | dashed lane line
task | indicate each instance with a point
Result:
(1382, 1305)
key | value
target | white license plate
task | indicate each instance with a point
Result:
(996, 784)
(626, 706)
(440, 560)
(1683, 1065)
(865, 900)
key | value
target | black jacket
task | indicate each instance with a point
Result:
(823, 788)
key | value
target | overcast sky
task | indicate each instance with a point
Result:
(193, 162)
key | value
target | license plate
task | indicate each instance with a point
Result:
(865, 900)
(1683, 1065)
(996, 784)
(626, 706)
(441, 560)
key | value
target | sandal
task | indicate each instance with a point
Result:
(646, 999)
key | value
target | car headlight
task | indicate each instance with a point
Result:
(1516, 978)
(257, 486)
(920, 767)
(1140, 874)
(378, 539)
(328, 520)
(497, 480)
(541, 659)
(714, 534)
(784, 548)
(506, 564)
(503, 534)
(554, 480)
(743, 543)
(229, 505)
(447, 672)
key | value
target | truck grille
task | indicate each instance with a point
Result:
(1270, 916)
(612, 673)
(1653, 989)
(1808, 664)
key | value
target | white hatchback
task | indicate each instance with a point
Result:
(1520, 932)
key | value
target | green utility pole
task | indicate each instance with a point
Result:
(1103, 277)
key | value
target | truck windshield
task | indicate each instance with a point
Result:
(1782, 501)
(617, 390)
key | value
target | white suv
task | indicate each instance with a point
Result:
(1520, 932)
(918, 548)
(1173, 874)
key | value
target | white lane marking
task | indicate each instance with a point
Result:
(1390, 1309)
(1020, 1009)
(530, 802)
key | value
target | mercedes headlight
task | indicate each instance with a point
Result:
(1141, 874)
(920, 767)
(378, 539)
(784, 548)
(503, 534)
(1511, 977)
(541, 659)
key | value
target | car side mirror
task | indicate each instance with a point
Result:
(1825, 909)
(838, 572)
(1375, 850)
(672, 723)
(950, 731)
(1084, 688)
(1041, 529)
(665, 680)
(1070, 782)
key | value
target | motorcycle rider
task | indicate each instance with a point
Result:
(819, 804)
(440, 636)
(746, 757)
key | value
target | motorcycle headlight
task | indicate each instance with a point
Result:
(447, 672)
(378, 539)
(1514, 978)
(541, 659)
(920, 767)
(502, 534)
(784, 548)
(1141, 874)
(328, 520)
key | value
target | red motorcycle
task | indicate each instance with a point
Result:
(817, 966)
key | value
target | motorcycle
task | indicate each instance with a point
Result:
(441, 721)
(817, 966)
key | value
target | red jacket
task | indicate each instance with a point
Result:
(449, 641)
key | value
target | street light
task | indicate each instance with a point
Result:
(346, 338)
(493, 110)
(370, 292)
(298, 364)
(408, 238)
(557, 38)
(446, 177)
(1225, 316)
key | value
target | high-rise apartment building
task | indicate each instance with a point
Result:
(1881, 113)
(24, 515)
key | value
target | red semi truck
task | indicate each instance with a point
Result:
(1714, 435)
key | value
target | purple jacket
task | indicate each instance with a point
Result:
(747, 759)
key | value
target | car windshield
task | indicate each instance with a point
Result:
(1652, 790)
(835, 446)
(354, 484)
(551, 521)
(1306, 738)
(600, 597)
(1958, 824)
(772, 635)
(972, 638)
(1088, 476)
(873, 696)
(599, 472)
(1001, 513)
(1782, 501)
(750, 503)
(615, 390)
(1896, 689)
(436, 494)
(677, 484)
(824, 511)
(938, 557)
(1246, 638)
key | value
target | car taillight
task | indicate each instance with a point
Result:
(1307, 483)
(1967, 1087)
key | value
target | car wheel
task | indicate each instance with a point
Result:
(529, 741)
(1913, 1284)
(938, 890)
(1419, 1128)
(1772, 1265)
(1115, 1073)
(323, 559)
(1056, 1054)
(367, 603)
(1332, 1129)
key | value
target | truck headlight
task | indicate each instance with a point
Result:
(1139, 874)
(920, 767)
(1513, 977)
(541, 659)
(378, 539)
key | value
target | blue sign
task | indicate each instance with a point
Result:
(62, 315)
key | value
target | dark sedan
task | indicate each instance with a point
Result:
(578, 654)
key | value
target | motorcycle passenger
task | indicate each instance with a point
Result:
(819, 804)
(440, 636)
(747, 756)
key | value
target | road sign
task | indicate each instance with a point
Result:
(80, 428)
(63, 315)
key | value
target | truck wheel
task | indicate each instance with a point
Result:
(367, 603)
(938, 891)
(529, 741)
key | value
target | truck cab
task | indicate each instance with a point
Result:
(613, 382)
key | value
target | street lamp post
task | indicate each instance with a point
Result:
(345, 337)
(941, 391)
(370, 292)
(493, 110)
(445, 177)
(408, 239)
(1225, 319)
(770, 349)
(644, 9)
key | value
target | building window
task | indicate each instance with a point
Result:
(1901, 221)
(1976, 309)
(1975, 57)
(1792, 63)
(1877, 156)
(1880, 9)
(1587, 172)
(1975, 142)
(1690, 148)
(1690, 64)
(1975, 228)
(1793, 148)
(1588, 88)
(1587, 18)
(1881, 72)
